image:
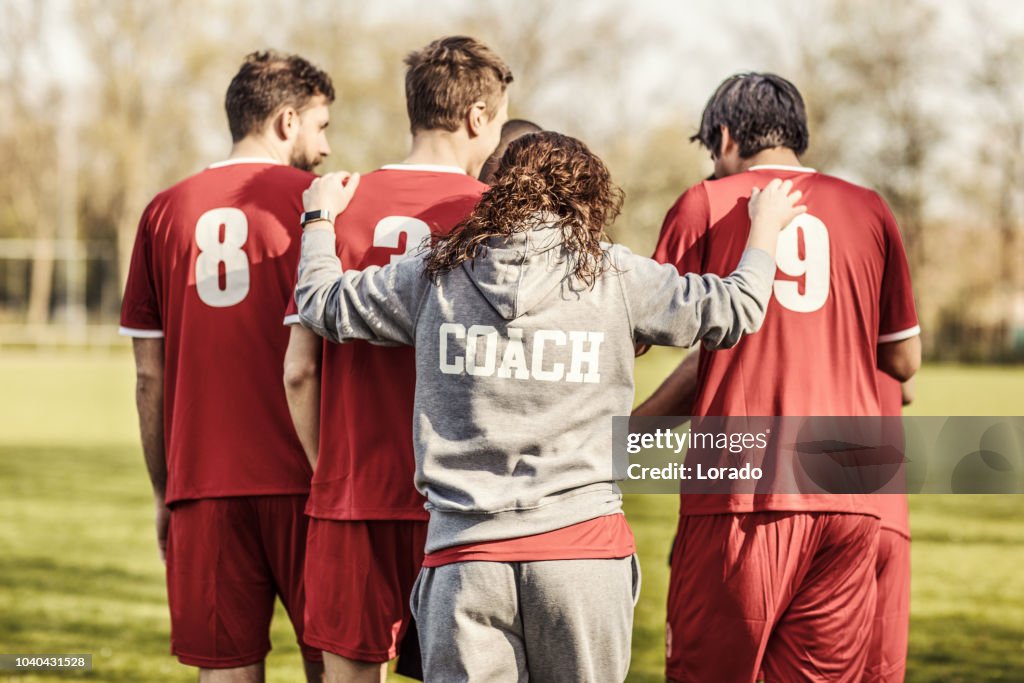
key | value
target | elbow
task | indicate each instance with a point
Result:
(149, 382)
(750, 319)
(900, 360)
(299, 374)
(907, 392)
(903, 369)
(750, 310)
(756, 322)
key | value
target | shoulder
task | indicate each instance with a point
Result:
(848, 188)
(464, 189)
(867, 201)
(691, 211)
(281, 177)
(694, 198)
(622, 258)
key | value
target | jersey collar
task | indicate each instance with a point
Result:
(430, 168)
(782, 167)
(245, 160)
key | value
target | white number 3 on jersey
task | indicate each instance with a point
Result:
(388, 233)
(214, 251)
(814, 266)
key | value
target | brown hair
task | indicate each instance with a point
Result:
(445, 78)
(268, 81)
(541, 173)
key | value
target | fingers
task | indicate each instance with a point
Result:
(777, 190)
(348, 190)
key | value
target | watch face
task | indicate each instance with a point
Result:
(309, 216)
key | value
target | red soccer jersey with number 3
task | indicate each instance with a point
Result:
(842, 287)
(366, 465)
(213, 267)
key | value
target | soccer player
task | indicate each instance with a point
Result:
(367, 534)
(783, 583)
(524, 321)
(512, 130)
(212, 269)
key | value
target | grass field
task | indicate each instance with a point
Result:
(79, 570)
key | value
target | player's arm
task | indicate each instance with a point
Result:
(900, 359)
(149, 401)
(376, 304)
(908, 391)
(676, 394)
(899, 334)
(302, 387)
(141, 320)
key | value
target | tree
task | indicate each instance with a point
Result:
(28, 146)
(870, 91)
(156, 73)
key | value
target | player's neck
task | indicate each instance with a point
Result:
(440, 148)
(776, 156)
(256, 147)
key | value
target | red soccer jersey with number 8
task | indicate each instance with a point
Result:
(213, 268)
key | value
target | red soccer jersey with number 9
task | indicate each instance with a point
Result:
(213, 267)
(842, 286)
(366, 465)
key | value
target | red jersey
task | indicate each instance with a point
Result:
(366, 465)
(841, 288)
(213, 266)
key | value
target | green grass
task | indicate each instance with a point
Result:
(79, 570)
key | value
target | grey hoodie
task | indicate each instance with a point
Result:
(519, 368)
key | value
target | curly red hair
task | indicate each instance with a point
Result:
(541, 174)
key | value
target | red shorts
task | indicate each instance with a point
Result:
(359, 576)
(785, 594)
(227, 558)
(887, 654)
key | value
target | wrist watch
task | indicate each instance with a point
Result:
(318, 215)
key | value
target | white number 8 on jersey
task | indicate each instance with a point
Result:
(814, 267)
(213, 252)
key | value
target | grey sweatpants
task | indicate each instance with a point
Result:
(557, 620)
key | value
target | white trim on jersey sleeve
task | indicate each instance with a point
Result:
(140, 334)
(782, 167)
(292, 319)
(899, 336)
(430, 168)
(245, 160)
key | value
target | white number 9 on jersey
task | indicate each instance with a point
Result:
(214, 251)
(814, 266)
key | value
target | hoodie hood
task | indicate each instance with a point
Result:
(521, 271)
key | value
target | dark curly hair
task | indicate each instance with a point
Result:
(541, 174)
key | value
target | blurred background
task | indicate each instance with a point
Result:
(106, 102)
